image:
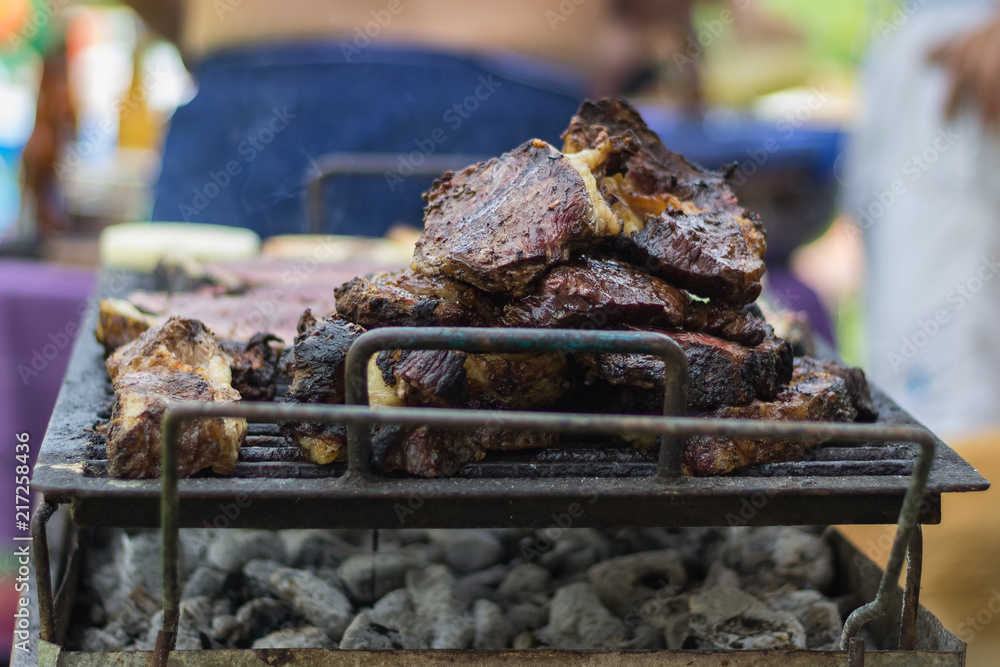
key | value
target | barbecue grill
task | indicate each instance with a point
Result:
(863, 474)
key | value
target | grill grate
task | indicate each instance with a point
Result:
(835, 483)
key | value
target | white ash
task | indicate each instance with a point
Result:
(698, 588)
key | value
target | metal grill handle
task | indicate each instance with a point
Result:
(513, 340)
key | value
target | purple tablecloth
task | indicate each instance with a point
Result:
(40, 308)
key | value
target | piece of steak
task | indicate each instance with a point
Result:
(589, 293)
(408, 299)
(179, 360)
(691, 231)
(596, 293)
(707, 253)
(720, 372)
(817, 392)
(319, 357)
(254, 366)
(435, 452)
(500, 224)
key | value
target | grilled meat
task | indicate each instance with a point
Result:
(254, 366)
(455, 379)
(141, 399)
(854, 380)
(705, 253)
(119, 323)
(817, 392)
(596, 293)
(688, 227)
(407, 299)
(176, 361)
(719, 372)
(603, 293)
(500, 224)
(435, 452)
(320, 354)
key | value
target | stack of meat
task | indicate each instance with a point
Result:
(613, 232)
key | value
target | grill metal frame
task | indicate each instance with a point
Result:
(361, 498)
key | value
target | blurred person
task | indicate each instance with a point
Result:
(924, 185)
(281, 85)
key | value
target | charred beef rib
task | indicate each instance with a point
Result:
(500, 224)
(177, 361)
(817, 392)
(720, 372)
(408, 299)
(692, 232)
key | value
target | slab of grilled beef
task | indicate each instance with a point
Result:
(591, 293)
(817, 392)
(500, 224)
(720, 372)
(319, 357)
(690, 228)
(408, 299)
(176, 361)
(254, 366)
(455, 379)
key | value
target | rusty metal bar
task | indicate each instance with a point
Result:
(43, 569)
(514, 340)
(911, 593)
(856, 653)
(905, 527)
(169, 525)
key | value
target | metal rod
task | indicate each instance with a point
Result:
(515, 340)
(43, 570)
(911, 594)
(169, 523)
(856, 653)
(905, 527)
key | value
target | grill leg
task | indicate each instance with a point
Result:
(856, 653)
(43, 571)
(911, 594)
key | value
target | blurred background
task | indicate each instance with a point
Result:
(321, 117)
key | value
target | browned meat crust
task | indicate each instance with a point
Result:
(134, 437)
(176, 361)
(812, 395)
(319, 356)
(698, 237)
(720, 372)
(254, 367)
(119, 323)
(407, 299)
(500, 224)
(598, 293)
(432, 452)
